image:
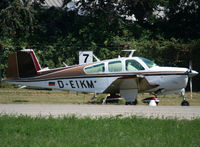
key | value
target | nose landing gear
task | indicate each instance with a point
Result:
(184, 102)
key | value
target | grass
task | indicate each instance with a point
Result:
(71, 131)
(29, 96)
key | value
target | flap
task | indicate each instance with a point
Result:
(132, 82)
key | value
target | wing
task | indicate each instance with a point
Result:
(133, 82)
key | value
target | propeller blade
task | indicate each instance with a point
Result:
(190, 65)
(190, 70)
(190, 88)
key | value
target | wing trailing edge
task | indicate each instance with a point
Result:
(134, 82)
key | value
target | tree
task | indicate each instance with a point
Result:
(16, 19)
(182, 19)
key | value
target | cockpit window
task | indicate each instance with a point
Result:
(115, 66)
(132, 65)
(99, 68)
(148, 62)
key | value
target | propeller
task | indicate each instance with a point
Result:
(190, 78)
(191, 73)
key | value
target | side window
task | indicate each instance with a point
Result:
(95, 69)
(115, 66)
(132, 65)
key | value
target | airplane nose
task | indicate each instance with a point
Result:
(192, 73)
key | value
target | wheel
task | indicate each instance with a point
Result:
(132, 103)
(185, 103)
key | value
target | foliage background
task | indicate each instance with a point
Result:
(165, 31)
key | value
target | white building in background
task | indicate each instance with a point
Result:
(48, 3)
(55, 3)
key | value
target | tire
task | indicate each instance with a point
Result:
(132, 103)
(135, 102)
(185, 103)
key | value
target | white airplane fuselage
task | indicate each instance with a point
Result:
(98, 84)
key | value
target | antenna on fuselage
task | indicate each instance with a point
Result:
(96, 58)
(131, 52)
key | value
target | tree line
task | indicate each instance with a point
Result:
(165, 31)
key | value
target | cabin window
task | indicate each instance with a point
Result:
(115, 66)
(132, 65)
(95, 69)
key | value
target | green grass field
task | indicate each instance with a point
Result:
(71, 131)
(29, 96)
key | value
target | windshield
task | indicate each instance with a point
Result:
(132, 65)
(148, 62)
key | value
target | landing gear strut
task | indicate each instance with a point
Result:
(184, 102)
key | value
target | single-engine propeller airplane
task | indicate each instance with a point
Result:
(126, 76)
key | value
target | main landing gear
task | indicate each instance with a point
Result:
(184, 102)
(132, 103)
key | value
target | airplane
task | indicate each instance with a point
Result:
(126, 76)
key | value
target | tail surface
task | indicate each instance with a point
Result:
(22, 64)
